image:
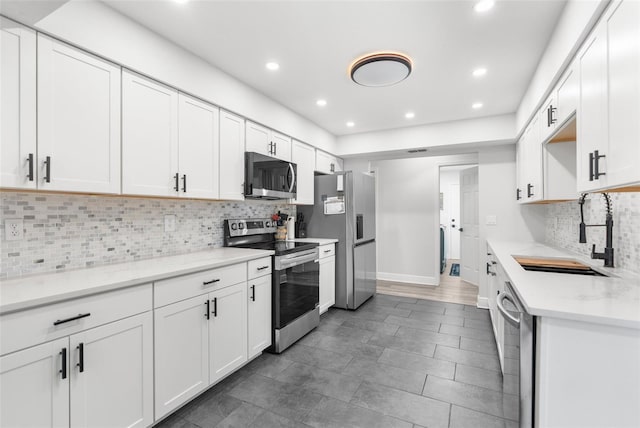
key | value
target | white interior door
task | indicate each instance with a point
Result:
(469, 225)
(452, 204)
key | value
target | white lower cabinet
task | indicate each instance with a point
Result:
(181, 351)
(327, 276)
(259, 315)
(99, 377)
(227, 331)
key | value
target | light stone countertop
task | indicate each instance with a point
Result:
(30, 291)
(613, 300)
(320, 241)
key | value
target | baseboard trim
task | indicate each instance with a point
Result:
(410, 279)
(483, 302)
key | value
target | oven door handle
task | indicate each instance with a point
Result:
(295, 261)
(500, 303)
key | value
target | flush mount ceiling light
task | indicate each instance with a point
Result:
(380, 69)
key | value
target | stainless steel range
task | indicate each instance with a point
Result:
(295, 278)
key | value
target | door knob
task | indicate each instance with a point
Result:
(460, 230)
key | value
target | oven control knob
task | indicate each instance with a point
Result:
(234, 226)
(241, 225)
(268, 224)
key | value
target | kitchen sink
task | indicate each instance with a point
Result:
(572, 271)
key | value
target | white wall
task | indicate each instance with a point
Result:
(408, 217)
(467, 134)
(497, 186)
(578, 17)
(99, 29)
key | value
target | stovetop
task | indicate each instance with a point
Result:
(281, 247)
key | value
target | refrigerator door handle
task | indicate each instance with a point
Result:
(368, 241)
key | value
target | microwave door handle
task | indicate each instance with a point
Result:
(293, 177)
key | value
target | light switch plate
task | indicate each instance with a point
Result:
(492, 220)
(170, 223)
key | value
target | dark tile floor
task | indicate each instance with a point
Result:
(395, 362)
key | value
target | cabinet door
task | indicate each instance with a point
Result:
(533, 190)
(198, 148)
(546, 117)
(259, 315)
(149, 137)
(78, 120)
(112, 374)
(304, 156)
(521, 184)
(327, 283)
(18, 105)
(623, 31)
(33, 392)
(281, 146)
(323, 162)
(227, 331)
(231, 156)
(258, 139)
(592, 119)
(567, 96)
(181, 353)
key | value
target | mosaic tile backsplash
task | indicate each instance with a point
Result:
(77, 231)
(562, 220)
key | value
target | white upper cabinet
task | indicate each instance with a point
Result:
(566, 96)
(608, 125)
(199, 147)
(149, 137)
(231, 167)
(304, 156)
(18, 108)
(265, 141)
(78, 120)
(531, 163)
(327, 163)
(547, 116)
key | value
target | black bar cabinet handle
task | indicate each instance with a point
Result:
(47, 170)
(529, 192)
(184, 183)
(207, 313)
(262, 267)
(548, 116)
(591, 166)
(275, 149)
(488, 266)
(80, 364)
(177, 179)
(30, 160)
(215, 307)
(77, 317)
(518, 197)
(211, 282)
(552, 115)
(63, 369)
(253, 293)
(596, 160)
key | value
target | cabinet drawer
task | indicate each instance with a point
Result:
(327, 250)
(33, 326)
(175, 289)
(259, 267)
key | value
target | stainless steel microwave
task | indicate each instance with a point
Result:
(268, 178)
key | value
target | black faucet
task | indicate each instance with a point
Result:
(607, 255)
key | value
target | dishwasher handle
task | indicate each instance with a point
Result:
(500, 303)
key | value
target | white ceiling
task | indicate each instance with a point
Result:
(315, 41)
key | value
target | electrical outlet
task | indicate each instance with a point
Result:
(13, 229)
(170, 223)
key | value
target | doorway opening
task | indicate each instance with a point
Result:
(459, 231)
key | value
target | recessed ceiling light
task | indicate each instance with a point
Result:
(351, 124)
(410, 115)
(478, 72)
(483, 5)
(321, 103)
(476, 105)
(380, 69)
(273, 66)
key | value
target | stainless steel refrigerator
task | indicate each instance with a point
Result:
(344, 209)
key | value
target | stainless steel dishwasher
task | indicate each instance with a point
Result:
(519, 332)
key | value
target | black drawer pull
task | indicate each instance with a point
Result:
(47, 174)
(206, 315)
(80, 364)
(211, 282)
(253, 293)
(177, 185)
(63, 369)
(184, 183)
(327, 251)
(77, 317)
(262, 267)
(30, 160)
(215, 307)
